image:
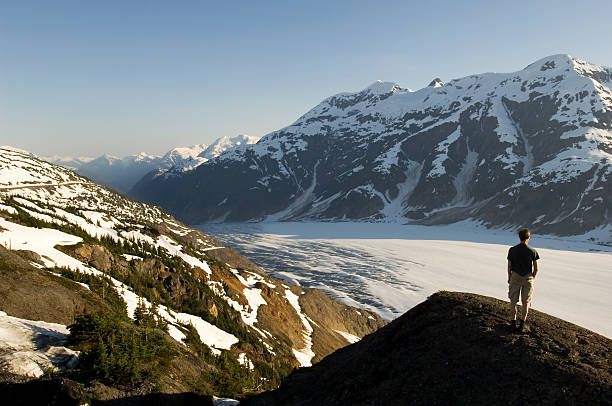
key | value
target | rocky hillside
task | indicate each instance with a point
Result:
(123, 173)
(74, 250)
(490, 146)
(457, 349)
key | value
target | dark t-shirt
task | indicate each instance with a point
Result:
(521, 258)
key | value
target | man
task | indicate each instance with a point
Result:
(522, 270)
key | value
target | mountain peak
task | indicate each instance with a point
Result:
(428, 156)
(144, 156)
(379, 87)
(557, 61)
(437, 82)
(226, 143)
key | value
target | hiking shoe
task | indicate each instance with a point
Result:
(513, 325)
(522, 326)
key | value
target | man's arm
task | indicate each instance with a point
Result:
(535, 268)
(510, 269)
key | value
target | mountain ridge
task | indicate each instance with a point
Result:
(484, 147)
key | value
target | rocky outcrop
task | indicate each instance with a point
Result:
(457, 348)
(92, 254)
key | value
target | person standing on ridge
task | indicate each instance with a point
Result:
(522, 270)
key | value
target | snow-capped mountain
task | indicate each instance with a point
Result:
(532, 147)
(180, 160)
(224, 144)
(123, 173)
(183, 158)
(53, 221)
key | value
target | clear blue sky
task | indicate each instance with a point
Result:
(120, 77)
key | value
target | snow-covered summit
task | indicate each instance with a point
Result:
(198, 155)
(475, 147)
(72, 163)
(227, 143)
(183, 158)
(379, 87)
(437, 82)
(558, 61)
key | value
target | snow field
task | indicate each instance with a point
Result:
(18, 168)
(175, 249)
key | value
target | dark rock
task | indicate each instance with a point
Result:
(455, 348)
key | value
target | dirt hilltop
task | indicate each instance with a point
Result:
(457, 348)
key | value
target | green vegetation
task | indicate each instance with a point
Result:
(116, 351)
(148, 318)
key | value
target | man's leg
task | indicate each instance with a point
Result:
(524, 311)
(513, 310)
(526, 293)
(513, 295)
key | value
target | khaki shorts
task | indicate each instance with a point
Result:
(522, 285)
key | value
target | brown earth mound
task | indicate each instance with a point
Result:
(458, 349)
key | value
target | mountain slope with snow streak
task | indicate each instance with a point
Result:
(536, 143)
(70, 223)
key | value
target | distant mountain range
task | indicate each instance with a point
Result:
(123, 173)
(532, 147)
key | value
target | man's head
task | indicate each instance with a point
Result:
(524, 234)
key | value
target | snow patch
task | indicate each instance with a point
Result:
(305, 354)
(352, 339)
(29, 348)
